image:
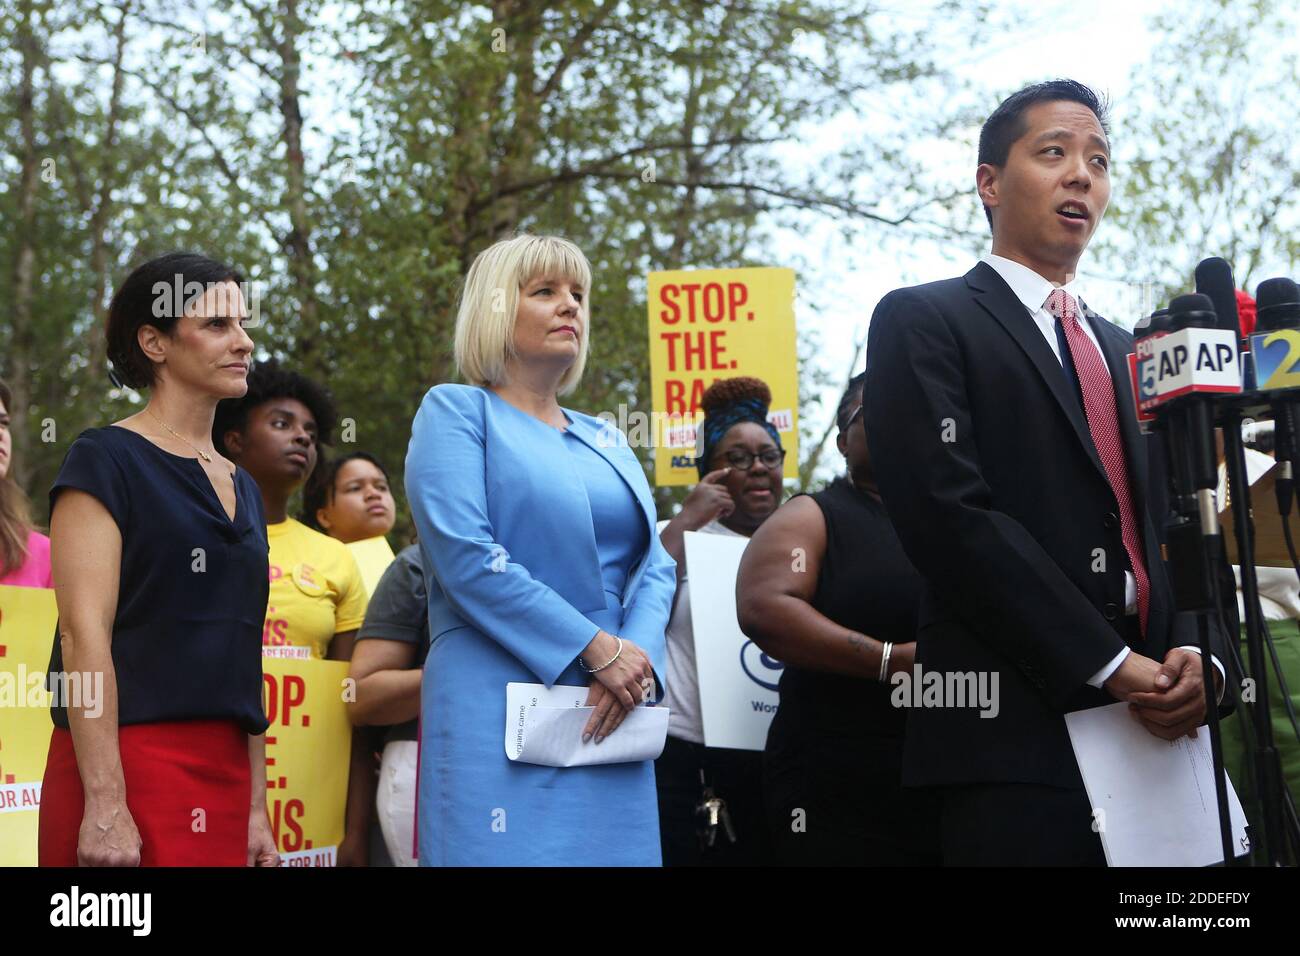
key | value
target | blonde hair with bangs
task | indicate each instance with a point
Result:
(485, 322)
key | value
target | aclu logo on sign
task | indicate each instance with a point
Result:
(1190, 360)
(762, 670)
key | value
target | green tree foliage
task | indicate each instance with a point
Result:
(1209, 162)
(352, 158)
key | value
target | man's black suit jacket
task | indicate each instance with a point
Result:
(988, 470)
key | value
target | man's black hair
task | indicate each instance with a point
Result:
(1006, 124)
(267, 381)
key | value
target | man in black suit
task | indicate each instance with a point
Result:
(1001, 427)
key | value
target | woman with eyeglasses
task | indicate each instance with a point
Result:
(740, 487)
(843, 622)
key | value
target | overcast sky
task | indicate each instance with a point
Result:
(1098, 43)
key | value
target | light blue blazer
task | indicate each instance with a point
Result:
(515, 594)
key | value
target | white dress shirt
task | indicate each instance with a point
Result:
(1032, 290)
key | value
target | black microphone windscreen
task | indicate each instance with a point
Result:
(1279, 291)
(1192, 310)
(1157, 321)
(1277, 303)
(1214, 279)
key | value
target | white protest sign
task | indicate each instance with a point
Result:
(738, 682)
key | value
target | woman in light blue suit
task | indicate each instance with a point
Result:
(538, 536)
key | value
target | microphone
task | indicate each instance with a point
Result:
(1275, 343)
(1193, 310)
(1277, 305)
(1157, 323)
(1187, 370)
(1181, 373)
(1275, 351)
(1276, 348)
(1196, 355)
(1214, 279)
(1203, 361)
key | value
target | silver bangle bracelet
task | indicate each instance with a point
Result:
(884, 661)
(617, 653)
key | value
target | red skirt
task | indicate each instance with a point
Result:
(172, 771)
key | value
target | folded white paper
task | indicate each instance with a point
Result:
(1153, 800)
(544, 726)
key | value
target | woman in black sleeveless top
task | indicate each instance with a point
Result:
(825, 587)
(160, 574)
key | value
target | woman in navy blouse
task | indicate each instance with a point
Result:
(541, 559)
(160, 574)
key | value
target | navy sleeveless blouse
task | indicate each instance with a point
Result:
(192, 593)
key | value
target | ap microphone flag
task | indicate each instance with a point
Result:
(1196, 358)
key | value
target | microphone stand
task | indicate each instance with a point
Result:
(1194, 550)
(1268, 777)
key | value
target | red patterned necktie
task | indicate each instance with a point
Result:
(1103, 423)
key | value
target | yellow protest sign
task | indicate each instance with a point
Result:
(710, 324)
(28, 617)
(308, 746)
(373, 555)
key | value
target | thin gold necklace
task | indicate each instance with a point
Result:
(202, 454)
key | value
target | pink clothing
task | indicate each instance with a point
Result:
(35, 571)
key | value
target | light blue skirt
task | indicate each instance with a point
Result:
(478, 808)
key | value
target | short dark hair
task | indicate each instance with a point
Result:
(853, 390)
(266, 381)
(319, 490)
(134, 302)
(1006, 124)
(729, 402)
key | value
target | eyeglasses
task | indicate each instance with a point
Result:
(857, 413)
(742, 460)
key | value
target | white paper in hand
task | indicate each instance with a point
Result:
(544, 726)
(1153, 800)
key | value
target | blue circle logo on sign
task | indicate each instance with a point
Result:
(762, 670)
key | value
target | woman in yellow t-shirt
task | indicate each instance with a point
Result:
(350, 498)
(317, 597)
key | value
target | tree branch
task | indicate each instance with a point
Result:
(217, 154)
(574, 47)
(595, 166)
(795, 199)
(814, 457)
